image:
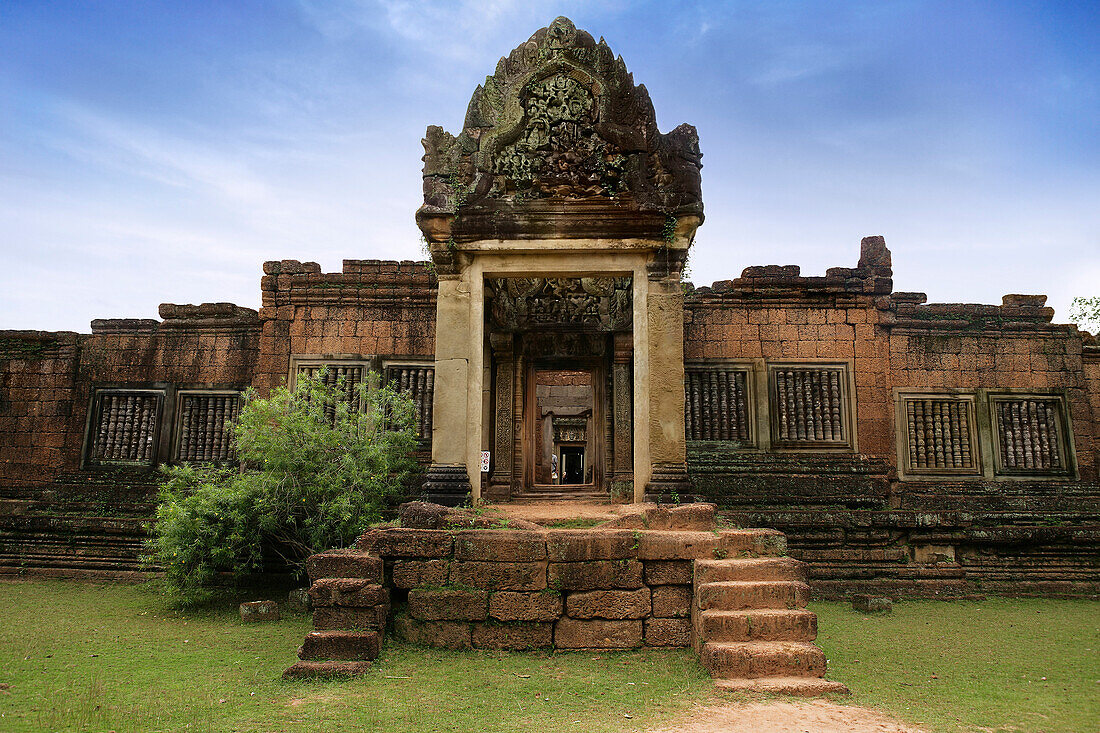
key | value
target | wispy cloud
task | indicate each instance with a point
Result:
(455, 30)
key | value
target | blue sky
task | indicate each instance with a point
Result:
(161, 151)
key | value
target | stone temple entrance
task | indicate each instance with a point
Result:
(558, 223)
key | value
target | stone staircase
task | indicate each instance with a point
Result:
(751, 628)
(351, 610)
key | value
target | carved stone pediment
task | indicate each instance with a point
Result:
(593, 304)
(560, 120)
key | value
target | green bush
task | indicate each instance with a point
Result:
(314, 472)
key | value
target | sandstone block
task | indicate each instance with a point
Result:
(420, 573)
(511, 606)
(609, 604)
(448, 605)
(668, 572)
(350, 592)
(345, 564)
(258, 611)
(500, 545)
(672, 601)
(710, 545)
(574, 545)
(513, 636)
(336, 617)
(438, 634)
(597, 634)
(312, 670)
(298, 601)
(595, 574)
(529, 576)
(668, 632)
(872, 604)
(341, 644)
(401, 542)
(763, 659)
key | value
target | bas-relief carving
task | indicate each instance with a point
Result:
(562, 118)
(586, 304)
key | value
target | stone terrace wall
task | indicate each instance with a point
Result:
(516, 589)
(372, 308)
(850, 514)
(58, 515)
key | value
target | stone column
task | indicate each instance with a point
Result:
(500, 482)
(622, 413)
(447, 481)
(668, 479)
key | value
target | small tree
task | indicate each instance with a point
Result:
(1085, 312)
(314, 472)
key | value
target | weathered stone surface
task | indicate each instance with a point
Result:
(400, 542)
(350, 592)
(511, 606)
(529, 576)
(763, 659)
(739, 594)
(298, 601)
(422, 515)
(672, 601)
(872, 604)
(668, 632)
(258, 611)
(595, 574)
(345, 564)
(683, 545)
(757, 625)
(420, 573)
(597, 634)
(341, 644)
(687, 517)
(336, 617)
(312, 670)
(499, 545)
(438, 634)
(574, 545)
(668, 572)
(513, 636)
(609, 604)
(448, 605)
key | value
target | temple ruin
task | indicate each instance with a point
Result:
(903, 447)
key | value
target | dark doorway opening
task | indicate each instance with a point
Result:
(572, 464)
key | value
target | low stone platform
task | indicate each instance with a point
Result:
(655, 576)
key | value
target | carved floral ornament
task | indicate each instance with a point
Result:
(588, 303)
(562, 119)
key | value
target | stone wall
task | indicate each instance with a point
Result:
(515, 589)
(372, 308)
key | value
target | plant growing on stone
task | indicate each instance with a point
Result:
(315, 471)
(1085, 312)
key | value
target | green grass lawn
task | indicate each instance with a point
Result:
(86, 657)
(999, 664)
(92, 657)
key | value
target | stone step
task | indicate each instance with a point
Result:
(341, 645)
(748, 568)
(794, 686)
(308, 670)
(736, 595)
(757, 625)
(755, 659)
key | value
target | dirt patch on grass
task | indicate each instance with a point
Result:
(784, 716)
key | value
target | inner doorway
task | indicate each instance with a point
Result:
(564, 440)
(572, 464)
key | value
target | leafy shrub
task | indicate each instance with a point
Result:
(314, 472)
